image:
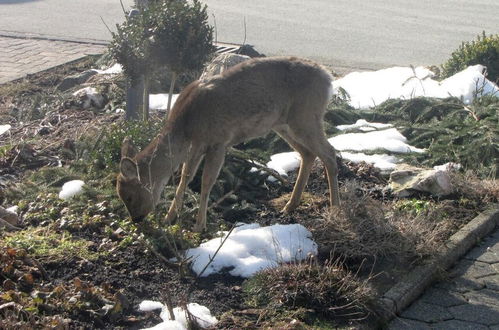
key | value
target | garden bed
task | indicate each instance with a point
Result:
(81, 262)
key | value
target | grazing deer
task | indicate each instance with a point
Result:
(286, 95)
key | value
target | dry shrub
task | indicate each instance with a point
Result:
(471, 187)
(366, 228)
(309, 291)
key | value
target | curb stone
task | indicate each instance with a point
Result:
(402, 294)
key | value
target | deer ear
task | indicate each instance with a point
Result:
(128, 149)
(128, 168)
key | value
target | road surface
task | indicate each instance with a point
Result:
(349, 34)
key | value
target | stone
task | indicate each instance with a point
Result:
(458, 325)
(472, 269)
(461, 285)
(484, 297)
(89, 97)
(222, 63)
(9, 216)
(485, 315)
(443, 298)
(403, 324)
(75, 80)
(421, 311)
(405, 180)
(491, 282)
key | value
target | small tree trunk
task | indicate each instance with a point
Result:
(134, 99)
(172, 86)
(145, 99)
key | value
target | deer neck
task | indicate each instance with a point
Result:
(159, 161)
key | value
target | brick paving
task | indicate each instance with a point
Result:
(20, 56)
(467, 299)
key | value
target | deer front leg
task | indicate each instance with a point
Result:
(307, 160)
(213, 162)
(189, 170)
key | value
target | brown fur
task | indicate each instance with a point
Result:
(287, 95)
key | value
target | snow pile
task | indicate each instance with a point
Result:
(389, 139)
(384, 162)
(368, 89)
(284, 162)
(70, 189)
(160, 101)
(251, 248)
(201, 315)
(115, 69)
(385, 139)
(363, 125)
(14, 209)
(4, 128)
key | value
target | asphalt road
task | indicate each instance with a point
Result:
(348, 34)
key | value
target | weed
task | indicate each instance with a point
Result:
(310, 291)
(45, 243)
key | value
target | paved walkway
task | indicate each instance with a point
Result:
(467, 299)
(22, 55)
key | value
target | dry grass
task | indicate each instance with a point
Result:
(471, 187)
(310, 292)
(364, 227)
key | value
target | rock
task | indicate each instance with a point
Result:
(90, 97)
(406, 180)
(250, 51)
(222, 63)
(74, 80)
(9, 216)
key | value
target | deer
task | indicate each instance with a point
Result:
(286, 95)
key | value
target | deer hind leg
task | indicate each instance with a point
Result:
(307, 160)
(189, 170)
(310, 134)
(213, 161)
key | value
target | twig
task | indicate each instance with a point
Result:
(224, 197)
(123, 7)
(107, 27)
(216, 252)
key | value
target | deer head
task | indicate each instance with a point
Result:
(135, 193)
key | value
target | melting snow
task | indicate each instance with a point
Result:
(160, 101)
(71, 188)
(387, 139)
(115, 69)
(390, 139)
(362, 124)
(368, 89)
(4, 128)
(251, 248)
(201, 314)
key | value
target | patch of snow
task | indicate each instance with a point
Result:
(251, 248)
(115, 69)
(13, 209)
(160, 101)
(70, 189)
(368, 89)
(384, 162)
(363, 124)
(390, 139)
(4, 128)
(284, 162)
(201, 315)
(448, 167)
